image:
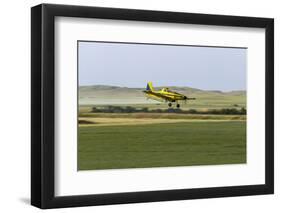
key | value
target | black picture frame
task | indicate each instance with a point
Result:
(43, 101)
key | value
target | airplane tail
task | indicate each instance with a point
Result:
(149, 86)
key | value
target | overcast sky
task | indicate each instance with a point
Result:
(133, 65)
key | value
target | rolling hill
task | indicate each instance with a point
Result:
(105, 95)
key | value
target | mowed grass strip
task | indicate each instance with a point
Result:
(162, 145)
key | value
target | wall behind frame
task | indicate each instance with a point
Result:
(15, 105)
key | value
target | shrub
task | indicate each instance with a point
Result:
(130, 109)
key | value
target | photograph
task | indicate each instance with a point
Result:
(146, 105)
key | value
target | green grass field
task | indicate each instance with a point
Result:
(162, 145)
(114, 140)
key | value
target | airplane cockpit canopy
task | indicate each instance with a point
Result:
(165, 89)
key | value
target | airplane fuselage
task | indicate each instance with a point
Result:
(167, 96)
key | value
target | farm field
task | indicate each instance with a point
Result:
(161, 144)
(119, 128)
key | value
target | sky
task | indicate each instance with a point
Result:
(133, 65)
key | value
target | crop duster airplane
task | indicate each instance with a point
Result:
(165, 94)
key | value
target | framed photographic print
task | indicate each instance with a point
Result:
(139, 106)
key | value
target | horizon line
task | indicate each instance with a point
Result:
(107, 85)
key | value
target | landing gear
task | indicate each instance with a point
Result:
(170, 105)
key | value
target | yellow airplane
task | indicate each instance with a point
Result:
(165, 94)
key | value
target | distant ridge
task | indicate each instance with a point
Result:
(176, 88)
(107, 94)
